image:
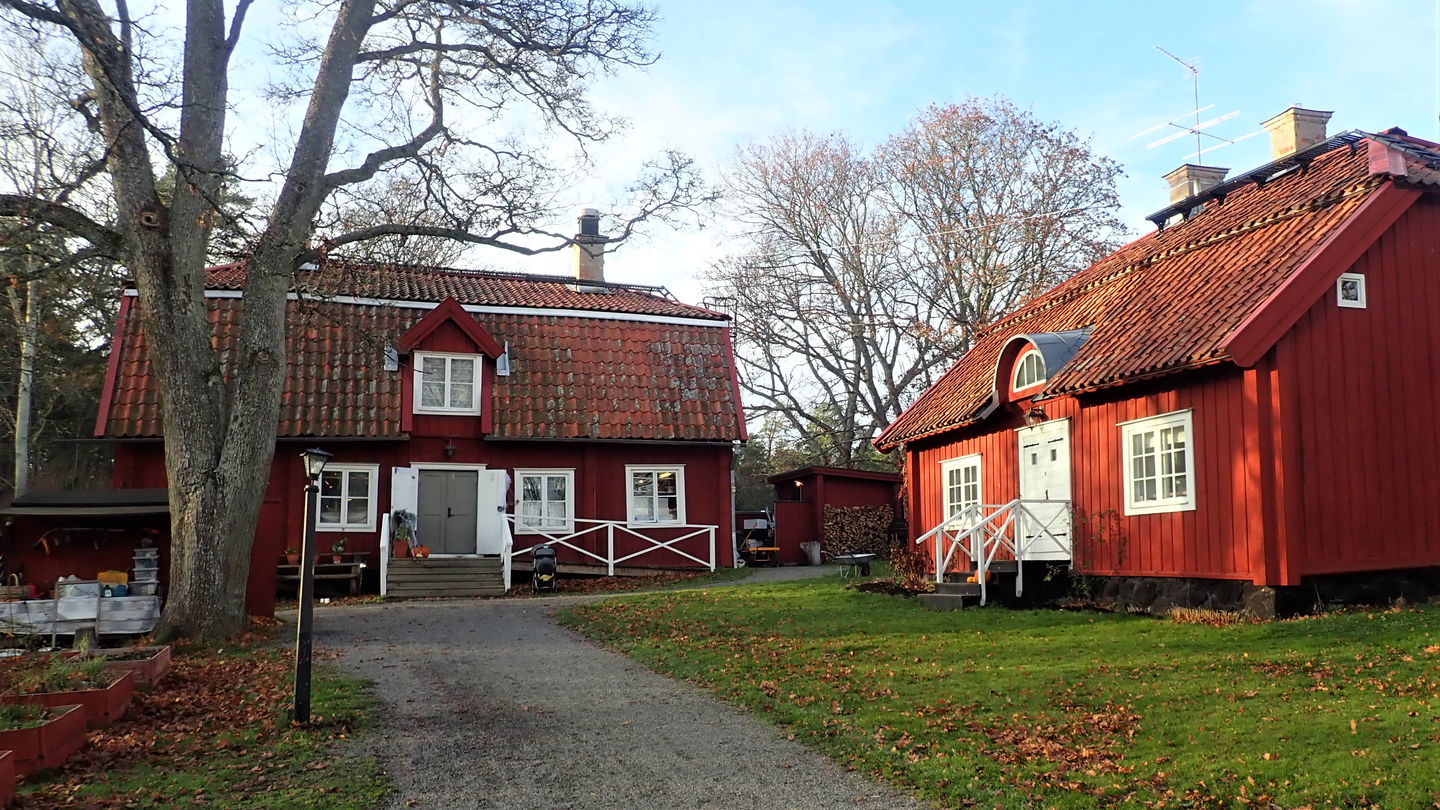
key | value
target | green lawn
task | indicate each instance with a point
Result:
(1052, 709)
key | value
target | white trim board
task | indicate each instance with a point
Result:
(485, 309)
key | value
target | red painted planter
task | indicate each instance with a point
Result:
(47, 746)
(148, 671)
(102, 706)
(7, 778)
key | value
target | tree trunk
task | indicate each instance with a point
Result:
(25, 393)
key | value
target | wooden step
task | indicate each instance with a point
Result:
(1003, 567)
(958, 588)
(946, 601)
(409, 578)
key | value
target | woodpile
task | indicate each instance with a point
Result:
(858, 529)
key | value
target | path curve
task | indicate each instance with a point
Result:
(491, 704)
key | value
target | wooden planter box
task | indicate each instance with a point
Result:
(7, 778)
(102, 706)
(148, 671)
(47, 746)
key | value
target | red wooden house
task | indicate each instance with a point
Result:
(802, 495)
(502, 410)
(1225, 407)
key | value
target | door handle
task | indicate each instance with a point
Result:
(448, 513)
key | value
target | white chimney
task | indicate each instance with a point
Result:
(1295, 129)
(1190, 179)
(590, 249)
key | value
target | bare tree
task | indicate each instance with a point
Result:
(869, 274)
(396, 86)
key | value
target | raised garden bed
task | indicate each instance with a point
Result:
(150, 664)
(103, 705)
(46, 744)
(7, 778)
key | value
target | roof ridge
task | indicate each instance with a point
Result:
(1320, 202)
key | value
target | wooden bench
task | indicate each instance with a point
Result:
(348, 570)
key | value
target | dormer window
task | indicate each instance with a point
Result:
(447, 383)
(1029, 370)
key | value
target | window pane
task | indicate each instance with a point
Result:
(556, 511)
(1150, 490)
(330, 483)
(642, 483)
(462, 395)
(329, 510)
(433, 369)
(462, 370)
(556, 489)
(357, 511)
(643, 509)
(359, 483)
(665, 483)
(432, 395)
(530, 512)
(530, 488)
(669, 509)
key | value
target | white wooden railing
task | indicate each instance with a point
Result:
(980, 532)
(384, 552)
(609, 529)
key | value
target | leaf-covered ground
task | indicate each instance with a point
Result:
(215, 734)
(1003, 708)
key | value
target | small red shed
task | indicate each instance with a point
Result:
(802, 495)
(1223, 406)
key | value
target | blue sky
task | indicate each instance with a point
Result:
(743, 70)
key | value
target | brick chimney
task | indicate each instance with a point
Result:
(1189, 180)
(590, 248)
(1295, 129)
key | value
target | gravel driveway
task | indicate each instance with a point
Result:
(488, 703)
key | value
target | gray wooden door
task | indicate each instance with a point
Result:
(447, 513)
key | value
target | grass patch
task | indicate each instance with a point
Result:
(215, 733)
(667, 580)
(1040, 708)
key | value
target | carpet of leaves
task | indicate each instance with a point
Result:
(216, 729)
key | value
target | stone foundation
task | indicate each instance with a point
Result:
(1159, 595)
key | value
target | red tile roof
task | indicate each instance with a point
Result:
(489, 288)
(1171, 300)
(573, 377)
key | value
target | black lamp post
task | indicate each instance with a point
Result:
(314, 465)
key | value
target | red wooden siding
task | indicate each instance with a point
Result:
(1357, 386)
(600, 492)
(800, 511)
(1221, 538)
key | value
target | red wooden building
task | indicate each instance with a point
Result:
(1233, 398)
(802, 495)
(502, 410)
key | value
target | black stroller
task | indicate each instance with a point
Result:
(542, 576)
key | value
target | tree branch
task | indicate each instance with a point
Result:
(63, 217)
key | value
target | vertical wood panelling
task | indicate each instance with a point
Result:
(1215, 540)
(1360, 381)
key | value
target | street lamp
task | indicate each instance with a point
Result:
(314, 465)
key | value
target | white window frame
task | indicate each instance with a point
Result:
(1156, 424)
(418, 360)
(678, 469)
(1020, 366)
(949, 507)
(1341, 300)
(569, 475)
(372, 498)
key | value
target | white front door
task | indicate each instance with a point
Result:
(1045, 476)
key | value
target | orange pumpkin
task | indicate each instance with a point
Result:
(422, 551)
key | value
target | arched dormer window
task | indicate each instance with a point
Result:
(1029, 370)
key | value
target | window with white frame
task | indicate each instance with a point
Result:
(347, 498)
(1159, 464)
(657, 494)
(1350, 290)
(961, 477)
(447, 383)
(1029, 370)
(545, 501)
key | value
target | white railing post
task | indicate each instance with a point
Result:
(384, 553)
(610, 547)
(505, 554)
(712, 549)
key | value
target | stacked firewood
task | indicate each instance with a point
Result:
(858, 529)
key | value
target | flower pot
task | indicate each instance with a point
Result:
(46, 746)
(336, 558)
(150, 664)
(102, 706)
(292, 559)
(401, 549)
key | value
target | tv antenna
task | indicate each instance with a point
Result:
(1198, 127)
